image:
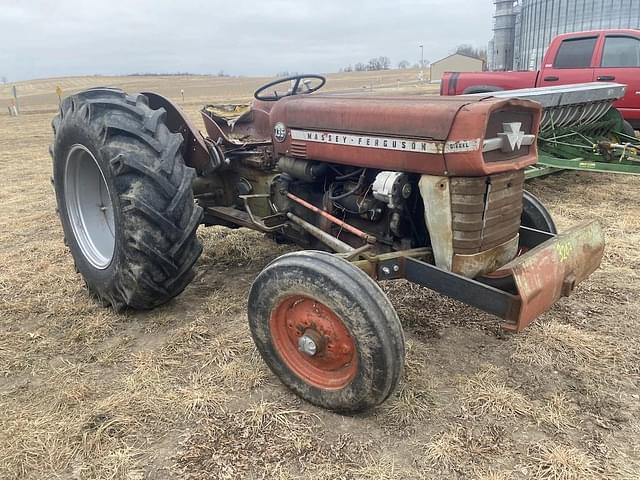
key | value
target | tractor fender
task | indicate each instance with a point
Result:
(196, 152)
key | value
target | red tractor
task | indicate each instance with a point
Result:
(426, 189)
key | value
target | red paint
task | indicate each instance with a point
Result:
(455, 83)
(335, 364)
(552, 269)
(426, 119)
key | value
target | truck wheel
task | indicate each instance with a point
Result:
(124, 198)
(327, 331)
(481, 89)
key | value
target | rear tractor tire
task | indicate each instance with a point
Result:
(327, 331)
(124, 198)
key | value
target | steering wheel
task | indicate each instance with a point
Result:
(298, 85)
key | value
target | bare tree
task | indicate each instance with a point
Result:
(360, 67)
(4, 79)
(471, 51)
(379, 63)
(403, 64)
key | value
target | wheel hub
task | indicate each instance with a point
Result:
(89, 207)
(314, 342)
(310, 343)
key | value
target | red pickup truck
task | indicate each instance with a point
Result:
(600, 55)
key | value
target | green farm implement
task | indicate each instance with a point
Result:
(581, 130)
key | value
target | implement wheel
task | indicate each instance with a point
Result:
(327, 331)
(124, 198)
(628, 129)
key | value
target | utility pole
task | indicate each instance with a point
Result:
(15, 100)
(421, 76)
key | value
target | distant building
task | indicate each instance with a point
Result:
(523, 29)
(455, 63)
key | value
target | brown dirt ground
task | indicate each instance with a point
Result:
(180, 392)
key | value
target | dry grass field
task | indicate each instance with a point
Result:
(180, 392)
(40, 95)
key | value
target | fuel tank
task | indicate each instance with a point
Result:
(451, 136)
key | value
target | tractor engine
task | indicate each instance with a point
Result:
(443, 172)
(377, 202)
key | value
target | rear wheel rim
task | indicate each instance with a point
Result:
(89, 206)
(334, 364)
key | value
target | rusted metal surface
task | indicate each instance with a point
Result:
(195, 151)
(413, 117)
(247, 127)
(486, 211)
(471, 120)
(553, 269)
(329, 240)
(436, 196)
(430, 135)
(547, 272)
(356, 231)
(373, 265)
(473, 222)
(481, 263)
(327, 355)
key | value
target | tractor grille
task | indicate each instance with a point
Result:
(496, 125)
(298, 149)
(486, 210)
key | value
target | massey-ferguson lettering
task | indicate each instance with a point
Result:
(371, 188)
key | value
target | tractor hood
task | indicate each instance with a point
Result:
(430, 135)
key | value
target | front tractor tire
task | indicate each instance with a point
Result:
(327, 331)
(124, 198)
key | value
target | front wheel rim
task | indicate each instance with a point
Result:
(334, 363)
(89, 207)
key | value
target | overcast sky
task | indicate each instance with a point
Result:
(47, 38)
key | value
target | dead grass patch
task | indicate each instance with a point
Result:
(484, 393)
(379, 467)
(236, 246)
(565, 347)
(489, 474)
(408, 406)
(558, 412)
(558, 462)
(446, 450)
(251, 443)
(414, 400)
(461, 448)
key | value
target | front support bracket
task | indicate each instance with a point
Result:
(551, 267)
